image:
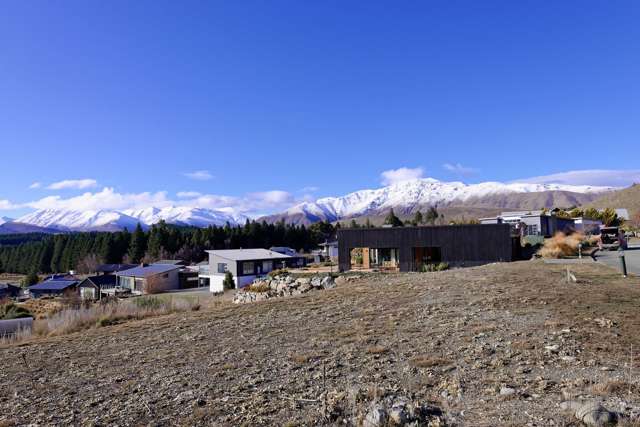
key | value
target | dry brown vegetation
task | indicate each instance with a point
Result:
(562, 245)
(454, 339)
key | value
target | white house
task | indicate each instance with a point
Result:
(244, 264)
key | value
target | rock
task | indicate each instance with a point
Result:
(400, 414)
(376, 417)
(507, 391)
(303, 281)
(316, 282)
(590, 413)
(328, 283)
(552, 348)
(594, 414)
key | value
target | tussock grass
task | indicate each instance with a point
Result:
(427, 361)
(562, 245)
(99, 315)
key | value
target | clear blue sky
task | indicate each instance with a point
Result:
(283, 95)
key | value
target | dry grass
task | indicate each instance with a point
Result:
(259, 287)
(67, 321)
(427, 361)
(377, 349)
(301, 359)
(562, 245)
(614, 387)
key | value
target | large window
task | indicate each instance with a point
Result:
(222, 267)
(247, 268)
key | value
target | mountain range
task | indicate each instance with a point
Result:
(453, 199)
(53, 220)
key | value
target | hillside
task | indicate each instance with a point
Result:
(628, 198)
(477, 347)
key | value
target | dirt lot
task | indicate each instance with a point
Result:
(451, 339)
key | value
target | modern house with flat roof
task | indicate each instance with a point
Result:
(245, 265)
(148, 279)
(532, 223)
(412, 248)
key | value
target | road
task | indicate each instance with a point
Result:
(632, 256)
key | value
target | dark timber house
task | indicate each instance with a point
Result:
(411, 248)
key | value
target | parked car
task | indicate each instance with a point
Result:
(612, 238)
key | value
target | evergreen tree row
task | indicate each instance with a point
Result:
(46, 254)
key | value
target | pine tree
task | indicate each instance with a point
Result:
(138, 246)
(392, 219)
(432, 215)
(417, 218)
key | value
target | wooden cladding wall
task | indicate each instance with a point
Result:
(459, 244)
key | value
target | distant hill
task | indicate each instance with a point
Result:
(19, 228)
(628, 198)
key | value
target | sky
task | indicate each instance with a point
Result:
(258, 105)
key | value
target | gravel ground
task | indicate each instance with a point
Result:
(501, 344)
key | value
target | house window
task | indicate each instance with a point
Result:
(532, 230)
(247, 268)
(222, 267)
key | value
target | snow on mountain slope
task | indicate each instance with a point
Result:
(79, 220)
(420, 192)
(111, 220)
(182, 215)
(5, 219)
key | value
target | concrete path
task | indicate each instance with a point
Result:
(632, 257)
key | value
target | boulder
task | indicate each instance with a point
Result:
(376, 416)
(594, 414)
(316, 281)
(327, 282)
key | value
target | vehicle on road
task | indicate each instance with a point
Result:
(612, 238)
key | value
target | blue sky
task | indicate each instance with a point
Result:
(262, 104)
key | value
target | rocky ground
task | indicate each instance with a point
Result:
(504, 344)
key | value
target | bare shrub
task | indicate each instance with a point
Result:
(562, 245)
(258, 287)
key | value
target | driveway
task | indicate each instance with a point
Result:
(632, 256)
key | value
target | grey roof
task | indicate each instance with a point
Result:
(248, 254)
(53, 285)
(148, 270)
(104, 280)
(112, 268)
(170, 261)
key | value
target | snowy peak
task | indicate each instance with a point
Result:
(421, 192)
(5, 219)
(112, 220)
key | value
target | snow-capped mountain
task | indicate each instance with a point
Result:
(409, 195)
(5, 219)
(112, 220)
(182, 215)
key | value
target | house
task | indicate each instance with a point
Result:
(112, 268)
(9, 291)
(532, 223)
(56, 285)
(244, 264)
(93, 287)
(329, 250)
(413, 248)
(151, 278)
